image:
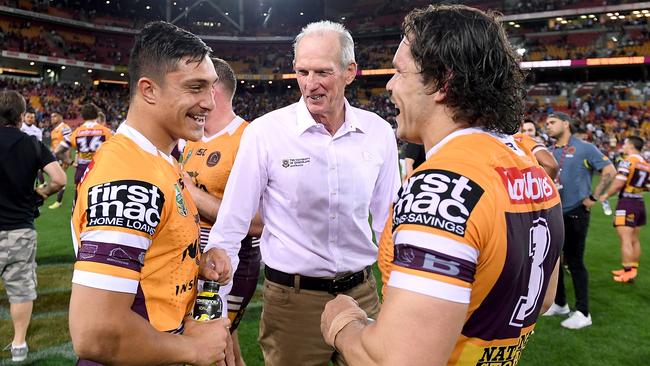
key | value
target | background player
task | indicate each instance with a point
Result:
(526, 138)
(86, 139)
(632, 177)
(460, 284)
(208, 162)
(59, 134)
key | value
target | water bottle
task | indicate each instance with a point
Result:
(208, 304)
(607, 209)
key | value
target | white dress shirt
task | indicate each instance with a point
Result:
(32, 131)
(314, 191)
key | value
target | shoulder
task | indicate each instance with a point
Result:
(371, 119)
(273, 118)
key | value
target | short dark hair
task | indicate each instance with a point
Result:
(12, 106)
(574, 125)
(89, 112)
(637, 142)
(226, 76)
(157, 49)
(465, 52)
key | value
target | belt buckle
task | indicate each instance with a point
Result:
(340, 284)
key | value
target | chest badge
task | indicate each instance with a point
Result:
(213, 159)
(180, 202)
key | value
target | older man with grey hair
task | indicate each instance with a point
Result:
(317, 168)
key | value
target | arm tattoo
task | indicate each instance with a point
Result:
(606, 179)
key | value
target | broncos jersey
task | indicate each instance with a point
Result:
(528, 142)
(59, 134)
(478, 223)
(635, 171)
(136, 229)
(87, 139)
(210, 160)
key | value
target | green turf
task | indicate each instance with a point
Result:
(620, 312)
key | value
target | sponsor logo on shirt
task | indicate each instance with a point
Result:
(503, 355)
(437, 198)
(130, 204)
(530, 185)
(291, 163)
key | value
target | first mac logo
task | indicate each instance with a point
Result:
(131, 204)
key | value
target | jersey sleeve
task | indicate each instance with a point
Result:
(114, 221)
(625, 167)
(436, 246)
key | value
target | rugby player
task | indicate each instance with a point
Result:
(59, 133)
(631, 181)
(526, 138)
(207, 163)
(86, 139)
(471, 250)
(136, 228)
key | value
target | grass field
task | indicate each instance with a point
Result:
(621, 312)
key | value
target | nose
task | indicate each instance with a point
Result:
(207, 100)
(389, 85)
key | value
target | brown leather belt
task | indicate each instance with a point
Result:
(336, 285)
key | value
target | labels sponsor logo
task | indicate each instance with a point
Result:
(437, 198)
(201, 152)
(530, 185)
(192, 250)
(292, 163)
(213, 159)
(119, 256)
(131, 204)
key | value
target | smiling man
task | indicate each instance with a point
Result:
(317, 168)
(470, 250)
(136, 228)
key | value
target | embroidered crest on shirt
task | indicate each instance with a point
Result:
(180, 202)
(213, 158)
(292, 163)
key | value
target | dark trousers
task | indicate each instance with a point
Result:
(576, 224)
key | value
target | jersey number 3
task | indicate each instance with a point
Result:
(539, 240)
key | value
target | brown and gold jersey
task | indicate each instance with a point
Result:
(59, 134)
(635, 171)
(210, 160)
(136, 229)
(481, 229)
(87, 139)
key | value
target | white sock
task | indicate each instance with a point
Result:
(19, 346)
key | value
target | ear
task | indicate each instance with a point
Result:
(148, 89)
(350, 73)
(440, 95)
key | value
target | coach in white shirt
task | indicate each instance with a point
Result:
(29, 126)
(316, 169)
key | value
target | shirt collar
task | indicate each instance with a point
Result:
(140, 140)
(229, 129)
(304, 119)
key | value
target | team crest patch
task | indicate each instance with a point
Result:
(285, 163)
(213, 158)
(180, 202)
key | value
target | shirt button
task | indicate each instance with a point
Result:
(332, 168)
(333, 193)
(333, 217)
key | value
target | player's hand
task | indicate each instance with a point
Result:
(209, 340)
(216, 266)
(337, 307)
